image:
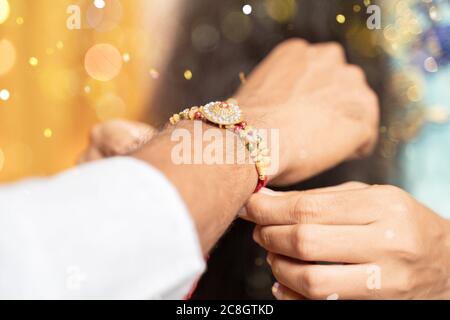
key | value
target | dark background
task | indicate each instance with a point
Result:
(237, 267)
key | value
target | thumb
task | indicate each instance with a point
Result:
(269, 208)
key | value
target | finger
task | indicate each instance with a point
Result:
(318, 282)
(281, 292)
(339, 244)
(120, 137)
(357, 206)
(92, 154)
(328, 53)
(352, 185)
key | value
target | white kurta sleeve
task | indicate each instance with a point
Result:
(113, 229)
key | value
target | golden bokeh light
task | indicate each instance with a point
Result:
(105, 17)
(103, 62)
(7, 56)
(4, 10)
(48, 133)
(281, 11)
(340, 18)
(33, 61)
(188, 75)
(4, 95)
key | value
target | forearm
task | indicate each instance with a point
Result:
(213, 193)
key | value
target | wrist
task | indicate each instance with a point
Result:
(213, 192)
(276, 137)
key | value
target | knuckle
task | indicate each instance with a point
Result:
(303, 208)
(355, 71)
(96, 132)
(334, 49)
(303, 243)
(401, 204)
(311, 284)
(404, 285)
(293, 43)
(398, 202)
(266, 237)
(411, 250)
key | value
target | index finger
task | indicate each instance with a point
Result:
(337, 207)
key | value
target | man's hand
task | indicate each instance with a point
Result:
(116, 138)
(323, 107)
(385, 245)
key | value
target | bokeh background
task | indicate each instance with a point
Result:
(145, 59)
(57, 82)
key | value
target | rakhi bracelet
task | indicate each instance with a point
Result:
(228, 115)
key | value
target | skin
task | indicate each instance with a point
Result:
(357, 228)
(300, 89)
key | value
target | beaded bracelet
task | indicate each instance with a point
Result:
(228, 115)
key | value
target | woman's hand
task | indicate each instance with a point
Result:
(116, 138)
(323, 107)
(383, 243)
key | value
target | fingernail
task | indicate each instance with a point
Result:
(276, 290)
(243, 212)
(269, 259)
(268, 192)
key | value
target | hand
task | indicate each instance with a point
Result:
(116, 138)
(323, 107)
(385, 245)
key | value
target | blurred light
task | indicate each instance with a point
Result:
(60, 45)
(247, 9)
(2, 159)
(236, 27)
(20, 21)
(259, 261)
(413, 93)
(367, 3)
(434, 14)
(188, 75)
(154, 73)
(106, 18)
(430, 64)
(205, 38)
(4, 10)
(356, 8)
(87, 89)
(103, 62)
(390, 33)
(126, 57)
(281, 11)
(48, 133)
(100, 4)
(7, 56)
(340, 18)
(438, 114)
(33, 61)
(4, 95)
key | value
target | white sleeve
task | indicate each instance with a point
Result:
(114, 229)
